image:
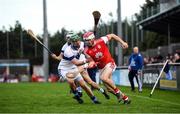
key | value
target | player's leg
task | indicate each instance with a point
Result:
(92, 75)
(70, 79)
(78, 87)
(62, 74)
(87, 89)
(118, 95)
(109, 89)
(106, 77)
(61, 77)
(86, 77)
(71, 84)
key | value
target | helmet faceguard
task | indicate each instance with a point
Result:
(75, 41)
(88, 36)
(68, 35)
(74, 38)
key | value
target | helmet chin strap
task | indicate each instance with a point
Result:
(69, 43)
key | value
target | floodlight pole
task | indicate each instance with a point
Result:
(119, 32)
(45, 40)
(132, 33)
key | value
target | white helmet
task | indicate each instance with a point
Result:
(68, 35)
(88, 36)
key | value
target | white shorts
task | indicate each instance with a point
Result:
(109, 65)
(63, 73)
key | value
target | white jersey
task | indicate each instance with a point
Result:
(64, 47)
(68, 55)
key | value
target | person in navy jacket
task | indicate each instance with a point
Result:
(135, 68)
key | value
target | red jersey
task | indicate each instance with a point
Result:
(100, 52)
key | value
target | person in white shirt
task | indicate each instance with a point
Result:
(70, 68)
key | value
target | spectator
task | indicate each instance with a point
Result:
(5, 75)
(177, 58)
(135, 67)
(146, 60)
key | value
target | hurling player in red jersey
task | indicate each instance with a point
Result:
(99, 52)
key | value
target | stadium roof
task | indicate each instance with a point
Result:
(160, 22)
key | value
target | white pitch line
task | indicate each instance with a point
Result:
(152, 99)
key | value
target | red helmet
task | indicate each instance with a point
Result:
(88, 36)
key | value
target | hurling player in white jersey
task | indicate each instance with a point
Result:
(60, 56)
(68, 68)
(84, 73)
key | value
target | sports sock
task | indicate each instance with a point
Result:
(101, 90)
(125, 97)
(79, 89)
(116, 90)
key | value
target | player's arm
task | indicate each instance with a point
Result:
(59, 57)
(91, 62)
(78, 62)
(87, 63)
(119, 39)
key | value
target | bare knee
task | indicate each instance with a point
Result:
(104, 78)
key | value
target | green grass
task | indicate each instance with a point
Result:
(55, 97)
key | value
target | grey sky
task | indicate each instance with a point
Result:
(71, 14)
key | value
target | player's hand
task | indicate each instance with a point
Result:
(88, 60)
(124, 45)
(53, 56)
(91, 64)
(80, 50)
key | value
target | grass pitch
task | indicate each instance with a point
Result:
(55, 98)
